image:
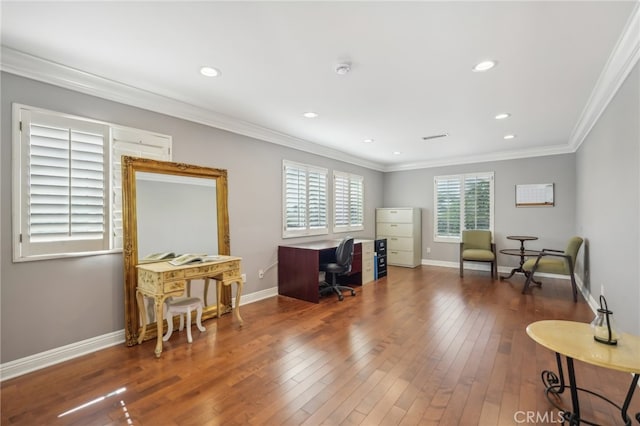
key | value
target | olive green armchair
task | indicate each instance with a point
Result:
(476, 246)
(555, 262)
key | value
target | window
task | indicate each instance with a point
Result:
(348, 202)
(462, 202)
(66, 188)
(304, 200)
(133, 143)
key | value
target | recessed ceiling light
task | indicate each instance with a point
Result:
(510, 136)
(209, 71)
(310, 114)
(368, 140)
(396, 153)
(484, 66)
(502, 116)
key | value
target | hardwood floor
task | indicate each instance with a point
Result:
(420, 347)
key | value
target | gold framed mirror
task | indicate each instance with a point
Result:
(170, 207)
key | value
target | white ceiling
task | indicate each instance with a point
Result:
(411, 69)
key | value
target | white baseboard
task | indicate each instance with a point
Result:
(11, 369)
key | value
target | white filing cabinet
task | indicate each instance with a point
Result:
(403, 231)
(367, 261)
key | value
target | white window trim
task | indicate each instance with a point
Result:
(286, 233)
(18, 225)
(462, 177)
(350, 227)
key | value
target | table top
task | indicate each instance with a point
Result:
(165, 266)
(518, 252)
(321, 244)
(575, 340)
(521, 238)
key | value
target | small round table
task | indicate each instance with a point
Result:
(522, 252)
(522, 239)
(575, 340)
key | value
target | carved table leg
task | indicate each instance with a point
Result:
(238, 294)
(218, 297)
(159, 323)
(142, 309)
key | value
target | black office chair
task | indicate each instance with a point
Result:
(342, 266)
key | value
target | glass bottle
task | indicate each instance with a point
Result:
(604, 330)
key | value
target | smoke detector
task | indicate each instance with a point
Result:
(342, 69)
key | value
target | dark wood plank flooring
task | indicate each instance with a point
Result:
(420, 347)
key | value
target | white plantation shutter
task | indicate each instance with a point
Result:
(317, 199)
(304, 200)
(295, 187)
(447, 191)
(462, 202)
(63, 203)
(356, 202)
(132, 143)
(67, 192)
(340, 200)
(348, 202)
(478, 213)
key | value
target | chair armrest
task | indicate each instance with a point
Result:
(556, 253)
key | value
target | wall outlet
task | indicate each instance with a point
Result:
(244, 278)
(428, 250)
(260, 274)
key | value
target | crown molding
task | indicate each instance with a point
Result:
(620, 63)
(623, 58)
(35, 68)
(494, 156)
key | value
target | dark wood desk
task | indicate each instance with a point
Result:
(299, 267)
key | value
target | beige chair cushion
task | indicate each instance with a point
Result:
(478, 255)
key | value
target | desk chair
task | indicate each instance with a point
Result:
(342, 266)
(476, 246)
(555, 262)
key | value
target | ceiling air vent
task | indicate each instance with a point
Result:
(443, 135)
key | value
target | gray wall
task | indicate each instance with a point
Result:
(552, 225)
(608, 204)
(51, 303)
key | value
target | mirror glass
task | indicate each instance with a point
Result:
(171, 208)
(183, 207)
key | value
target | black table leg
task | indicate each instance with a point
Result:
(627, 401)
(574, 416)
(555, 385)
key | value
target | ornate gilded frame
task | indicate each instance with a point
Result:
(131, 165)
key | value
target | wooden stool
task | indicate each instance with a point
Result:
(184, 306)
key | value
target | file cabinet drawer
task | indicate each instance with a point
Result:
(395, 215)
(395, 229)
(400, 243)
(400, 258)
